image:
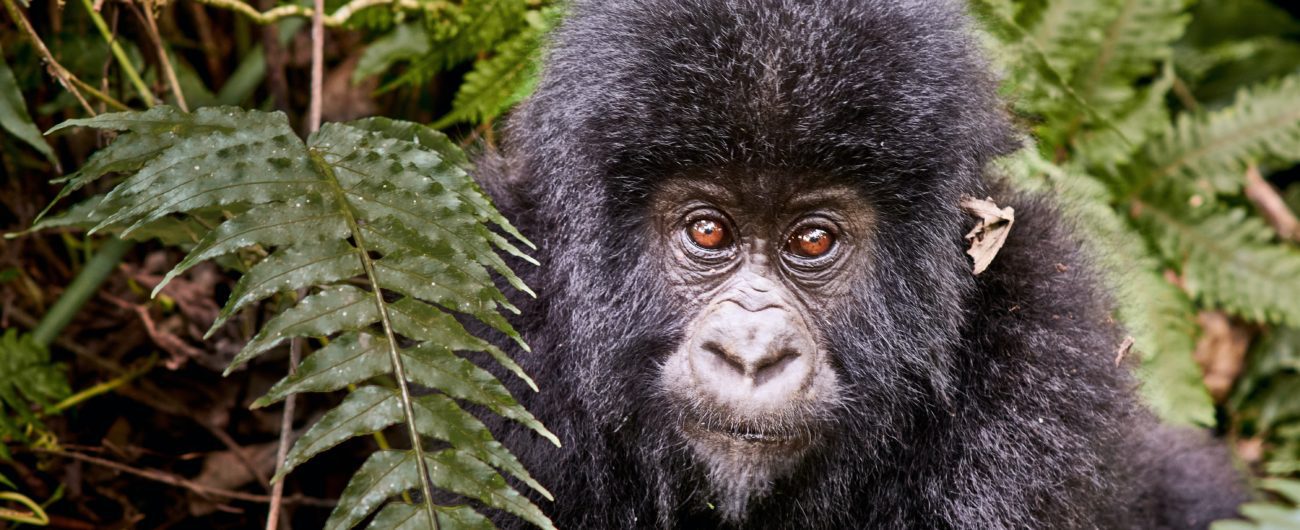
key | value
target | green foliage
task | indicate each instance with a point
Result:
(1154, 176)
(27, 377)
(499, 82)
(14, 117)
(378, 223)
(502, 37)
(1282, 515)
(1265, 402)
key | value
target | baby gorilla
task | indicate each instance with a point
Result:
(754, 308)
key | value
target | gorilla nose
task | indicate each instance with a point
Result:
(753, 359)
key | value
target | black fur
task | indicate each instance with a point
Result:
(970, 402)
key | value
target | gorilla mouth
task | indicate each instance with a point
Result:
(751, 437)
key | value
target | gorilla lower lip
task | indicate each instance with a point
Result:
(761, 437)
(731, 435)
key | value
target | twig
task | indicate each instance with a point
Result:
(122, 60)
(57, 70)
(295, 345)
(152, 25)
(286, 431)
(173, 480)
(340, 16)
(317, 65)
(1271, 205)
(1184, 95)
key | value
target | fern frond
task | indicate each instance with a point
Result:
(1070, 32)
(499, 82)
(380, 223)
(1159, 316)
(1101, 49)
(1228, 260)
(1136, 122)
(459, 33)
(27, 377)
(1136, 39)
(1053, 39)
(1213, 149)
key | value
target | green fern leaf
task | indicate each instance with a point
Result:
(498, 83)
(1228, 260)
(459, 32)
(27, 377)
(388, 473)
(1055, 40)
(1213, 149)
(400, 516)
(1159, 316)
(1136, 122)
(381, 224)
(1136, 39)
(371, 409)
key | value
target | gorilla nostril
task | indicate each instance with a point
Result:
(723, 357)
(773, 366)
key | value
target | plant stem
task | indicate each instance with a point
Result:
(166, 62)
(122, 59)
(80, 290)
(55, 69)
(317, 65)
(340, 16)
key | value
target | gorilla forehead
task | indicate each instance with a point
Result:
(863, 89)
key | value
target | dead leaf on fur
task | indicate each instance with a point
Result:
(987, 238)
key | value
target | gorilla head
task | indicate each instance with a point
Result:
(754, 307)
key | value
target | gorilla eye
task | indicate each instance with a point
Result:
(709, 233)
(810, 242)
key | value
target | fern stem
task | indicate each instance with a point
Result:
(101, 388)
(122, 59)
(80, 290)
(394, 356)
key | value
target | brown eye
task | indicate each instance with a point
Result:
(810, 242)
(709, 233)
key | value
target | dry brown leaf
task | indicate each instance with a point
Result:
(988, 236)
(224, 470)
(1221, 351)
(1271, 205)
(1124, 348)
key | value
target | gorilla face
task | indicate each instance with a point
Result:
(757, 263)
(753, 272)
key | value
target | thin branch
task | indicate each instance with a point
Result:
(317, 65)
(180, 482)
(340, 16)
(1271, 205)
(57, 70)
(123, 61)
(100, 95)
(286, 433)
(151, 24)
(295, 346)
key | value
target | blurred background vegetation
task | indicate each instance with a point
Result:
(1169, 130)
